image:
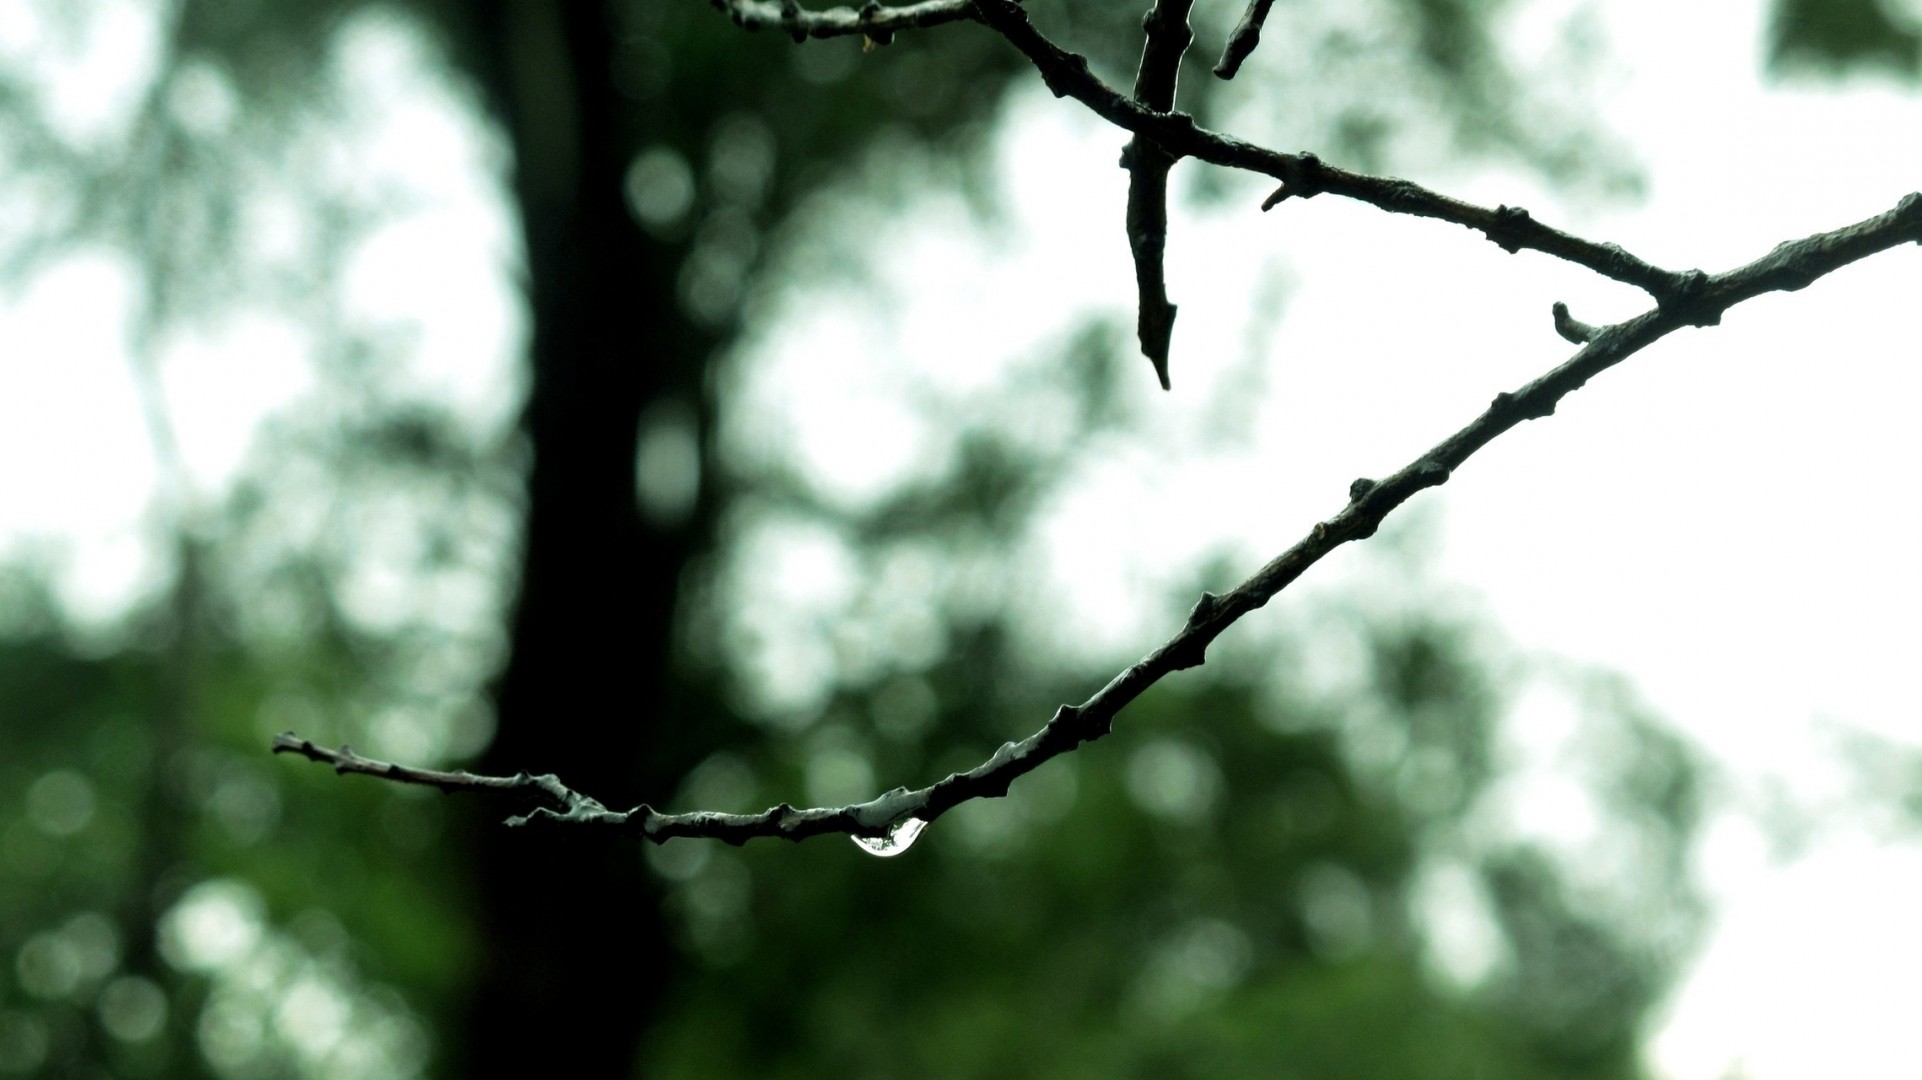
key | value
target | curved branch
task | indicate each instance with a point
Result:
(872, 19)
(1790, 266)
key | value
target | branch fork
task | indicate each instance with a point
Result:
(1160, 137)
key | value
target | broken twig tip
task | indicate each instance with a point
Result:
(1569, 327)
(1242, 42)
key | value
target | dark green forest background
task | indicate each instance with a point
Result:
(1233, 885)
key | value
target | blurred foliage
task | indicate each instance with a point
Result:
(134, 787)
(1242, 881)
(1221, 890)
(1249, 878)
(1830, 37)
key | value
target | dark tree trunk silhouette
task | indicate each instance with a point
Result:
(576, 946)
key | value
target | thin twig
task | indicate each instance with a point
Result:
(1791, 266)
(1242, 42)
(1167, 38)
(878, 22)
(1304, 175)
(344, 760)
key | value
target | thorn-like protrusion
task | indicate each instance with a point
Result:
(1508, 219)
(1204, 611)
(1570, 327)
(1305, 183)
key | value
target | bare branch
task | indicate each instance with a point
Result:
(1168, 37)
(1241, 43)
(1304, 175)
(535, 788)
(872, 19)
(1791, 266)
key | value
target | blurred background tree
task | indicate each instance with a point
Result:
(552, 537)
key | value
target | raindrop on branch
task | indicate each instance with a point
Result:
(899, 838)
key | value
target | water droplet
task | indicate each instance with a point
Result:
(899, 838)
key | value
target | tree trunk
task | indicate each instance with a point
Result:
(576, 949)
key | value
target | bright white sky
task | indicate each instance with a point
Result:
(1722, 517)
